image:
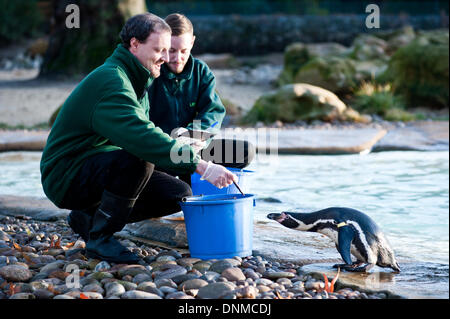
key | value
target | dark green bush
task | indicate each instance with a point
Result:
(18, 19)
(380, 100)
(420, 70)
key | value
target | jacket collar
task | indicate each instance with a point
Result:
(186, 74)
(139, 76)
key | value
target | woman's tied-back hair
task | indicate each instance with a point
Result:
(179, 24)
(140, 26)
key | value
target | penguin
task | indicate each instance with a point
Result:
(352, 231)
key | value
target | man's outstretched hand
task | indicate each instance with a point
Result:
(217, 175)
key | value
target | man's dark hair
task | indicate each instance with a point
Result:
(141, 26)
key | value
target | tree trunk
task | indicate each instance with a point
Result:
(74, 51)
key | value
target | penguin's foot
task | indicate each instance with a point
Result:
(342, 266)
(357, 268)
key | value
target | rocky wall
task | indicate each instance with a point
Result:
(256, 34)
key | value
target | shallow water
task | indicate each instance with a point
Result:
(406, 193)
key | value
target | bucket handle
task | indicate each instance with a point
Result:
(184, 199)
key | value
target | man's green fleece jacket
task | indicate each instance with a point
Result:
(107, 111)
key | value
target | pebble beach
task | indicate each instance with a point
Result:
(45, 260)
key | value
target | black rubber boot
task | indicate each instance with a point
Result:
(109, 218)
(81, 221)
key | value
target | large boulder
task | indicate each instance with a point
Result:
(298, 54)
(301, 101)
(334, 68)
(336, 74)
(420, 70)
(398, 38)
(368, 47)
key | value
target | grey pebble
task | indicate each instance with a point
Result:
(233, 274)
(63, 297)
(94, 288)
(172, 272)
(210, 276)
(221, 265)
(141, 278)
(137, 294)
(149, 286)
(114, 289)
(215, 290)
(15, 273)
(167, 290)
(179, 295)
(43, 294)
(102, 266)
(278, 274)
(193, 284)
(165, 283)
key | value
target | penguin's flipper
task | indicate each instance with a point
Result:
(345, 238)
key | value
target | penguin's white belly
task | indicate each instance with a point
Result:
(330, 233)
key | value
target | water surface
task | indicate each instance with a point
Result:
(405, 193)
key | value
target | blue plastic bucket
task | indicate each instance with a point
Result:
(203, 187)
(219, 226)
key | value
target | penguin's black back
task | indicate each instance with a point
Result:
(340, 214)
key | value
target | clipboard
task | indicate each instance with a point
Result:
(198, 134)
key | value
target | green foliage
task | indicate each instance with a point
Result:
(420, 70)
(295, 56)
(18, 19)
(380, 100)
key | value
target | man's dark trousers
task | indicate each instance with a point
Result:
(123, 174)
